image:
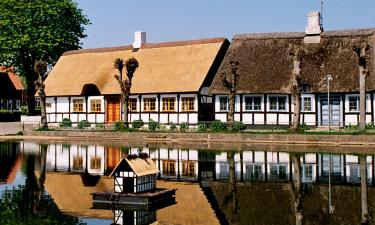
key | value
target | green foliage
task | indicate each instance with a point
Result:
(99, 126)
(172, 126)
(24, 110)
(38, 30)
(153, 125)
(218, 126)
(370, 126)
(66, 122)
(119, 126)
(351, 127)
(238, 126)
(202, 127)
(302, 128)
(137, 124)
(83, 124)
(184, 126)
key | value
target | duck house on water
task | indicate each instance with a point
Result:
(134, 186)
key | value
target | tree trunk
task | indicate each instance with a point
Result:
(296, 90)
(362, 98)
(30, 92)
(232, 97)
(364, 203)
(43, 118)
(297, 186)
(125, 115)
(297, 112)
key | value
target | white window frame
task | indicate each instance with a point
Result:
(368, 103)
(278, 108)
(312, 99)
(227, 104)
(253, 110)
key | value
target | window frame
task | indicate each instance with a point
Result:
(226, 105)
(312, 102)
(347, 103)
(253, 103)
(82, 101)
(95, 105)
(168, 104)
(278, 97)
(132, 103)
(150, 102)
(190, 104)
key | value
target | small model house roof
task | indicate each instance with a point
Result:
(168, 67)
(140, 166)
(266, 66)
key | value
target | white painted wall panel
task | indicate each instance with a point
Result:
(271, 118)
(51, 101)
(351, 119)
(81, 116)
(310, 119)
(62, 104)
(173, 118)
(259, 156)
(221, 117)
(193, 118)
(283, 119)
(258, 118)
(237, 117)
(59, 118)
(310, 158)
(74, 118)
(247, 156)
(144, 117)
(183, 117)
(91, 118)
(100, 118)
(154, 117)
(163, 118)
(247, 118)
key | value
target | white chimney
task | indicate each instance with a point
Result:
(139, 39)
(313, 24)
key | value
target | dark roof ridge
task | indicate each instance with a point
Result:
(147, 45)
(287, 35)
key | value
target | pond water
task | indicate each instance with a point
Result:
(50, 183)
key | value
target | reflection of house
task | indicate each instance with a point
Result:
(170, 84)
(122, 217)
(264, 93)
(11, 90)
(76, 158)
(135, 174)
(10, 162)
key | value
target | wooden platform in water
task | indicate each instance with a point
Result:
(133, 201)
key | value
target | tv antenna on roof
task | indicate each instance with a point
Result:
(321, 14)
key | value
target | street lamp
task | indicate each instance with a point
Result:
(329, 78)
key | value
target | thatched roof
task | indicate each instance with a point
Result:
(163, 68)
(140, 167)
(266, 66)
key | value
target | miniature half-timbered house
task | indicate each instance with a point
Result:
(264, 84)
(135, 174)
(170, 85)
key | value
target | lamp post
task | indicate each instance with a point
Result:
(329, 78)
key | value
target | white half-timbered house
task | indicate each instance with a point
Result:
(170, 85)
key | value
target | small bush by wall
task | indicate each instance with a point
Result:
(83, 124)
(153, 125)
(218, 126)
(137, 124)
(66, 122)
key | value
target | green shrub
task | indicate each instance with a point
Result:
(119, 125)
(66, 122)
(153, 125)
(238, 126)
(99, 126)
(172, 126)
(218, 126)
(83, 124)
(370, 126)
(24, 110)
(351, 127)
(202, 127)
(137, 124)
(184, 126)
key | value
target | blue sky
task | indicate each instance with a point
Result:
(114, 21)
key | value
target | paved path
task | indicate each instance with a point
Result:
(10, 128)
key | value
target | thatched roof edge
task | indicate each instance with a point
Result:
(147, 45)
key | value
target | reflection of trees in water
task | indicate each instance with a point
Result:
(364, 202)
(29, 203)
(231, 199)
(297, 187)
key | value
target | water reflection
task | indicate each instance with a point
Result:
(251, 186)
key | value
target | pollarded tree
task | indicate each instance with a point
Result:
(297, 53)
(362, 51)
(131, 66)
(230, 83)
(38, 29)
(40, 68)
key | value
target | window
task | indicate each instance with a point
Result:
(188, 103)
(169, 168)
(132, 105)
(95, 163)
(96, 105)
(253, 103)
(353, 103)
(306, 88)
(48, 105)
(77, 163)
(37, 102)
(306, 104)
(77, 105)
(188, 168)
(149, 104)
(277, 103)
(223, 101)
(168, 104)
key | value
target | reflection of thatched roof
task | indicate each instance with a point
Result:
(72, 197)
(272, 203)
(139, 166)
(266, 66)
(163, 68)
